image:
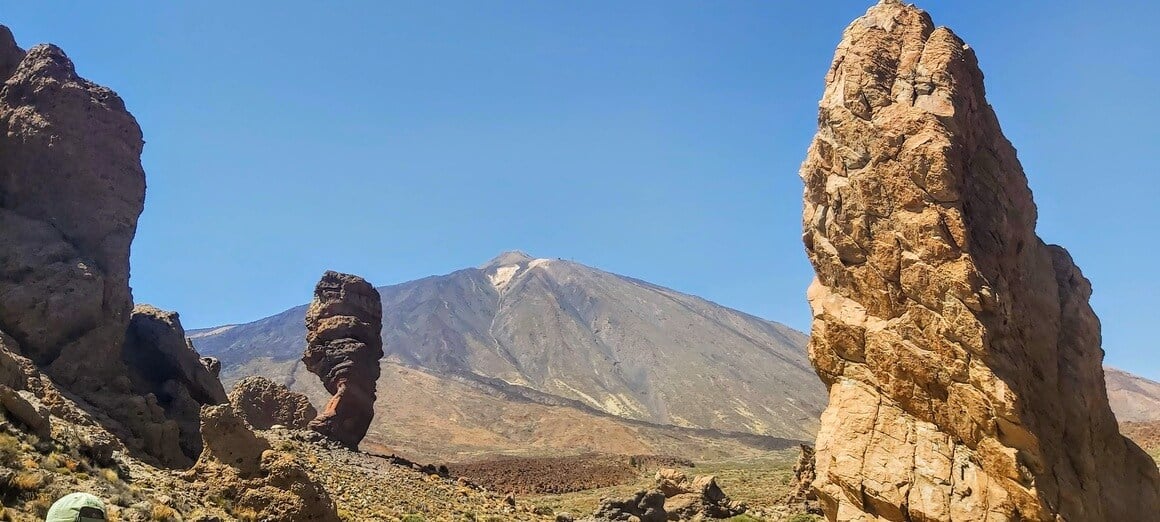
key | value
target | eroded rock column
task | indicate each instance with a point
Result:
(962, 357)
(344, 344)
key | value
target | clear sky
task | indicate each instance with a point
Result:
(659, 140)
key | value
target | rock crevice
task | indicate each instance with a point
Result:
(962, 357)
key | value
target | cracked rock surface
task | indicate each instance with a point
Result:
(962, 357)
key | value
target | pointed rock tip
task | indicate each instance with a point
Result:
(511, 257)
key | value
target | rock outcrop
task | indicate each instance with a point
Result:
(162, 364)
(962, 358)
(264, 403)
(343, 327)
(261, 483)
(71, 190)
(644, 506)
(804, 473)
(696, 498)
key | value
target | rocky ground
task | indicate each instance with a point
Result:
(568, 474)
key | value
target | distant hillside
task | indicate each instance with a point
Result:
(555, 331)
(1133, 398)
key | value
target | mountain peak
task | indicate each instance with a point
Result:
(511, 257)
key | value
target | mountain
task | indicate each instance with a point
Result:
(1133, 398)
(558, 333)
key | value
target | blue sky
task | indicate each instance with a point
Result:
(659, 140)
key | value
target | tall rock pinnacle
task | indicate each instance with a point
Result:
(344, 345)
(962, 357)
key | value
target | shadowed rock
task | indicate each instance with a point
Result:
(163, 364)
(962, 358)
(71, 190)
(343, 327)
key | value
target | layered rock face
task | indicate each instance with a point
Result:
(71, 190)
(343, 327)
(962, 358)
(264, 403)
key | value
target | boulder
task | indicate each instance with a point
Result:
(962, 358)
(343, 327)
(644, 506)
(26, 408)
(700, 497)
(265, 404)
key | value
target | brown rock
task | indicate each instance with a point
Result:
(343, 327)
(162, 363)
(26, 408)
(263, 403)
(700, 497)
(645, 506)
(228, 441)
(71, 190)
(73, 187)
(961, 354)
(268, 485)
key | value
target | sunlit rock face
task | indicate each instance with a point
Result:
(962, 358)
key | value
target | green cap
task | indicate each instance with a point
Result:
(76, 507)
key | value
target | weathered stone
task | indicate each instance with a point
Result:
(265, 404)
(700, 497)
(237, 463)
(27, 409)
(71, 190)
(962, 357)
(645, 506)
(343, 327)
(161, 362)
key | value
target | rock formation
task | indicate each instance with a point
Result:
(264, 403)
(71, 190)
(804, 472)
(240, 466)
(343, 326)
(962, 357)
(162, 364)
(644, 506)
(698, 498)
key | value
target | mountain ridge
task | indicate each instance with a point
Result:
(617, 344)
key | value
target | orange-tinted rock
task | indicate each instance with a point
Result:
(962, 357)
(343, 328)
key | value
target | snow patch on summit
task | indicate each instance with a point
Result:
(503, 275)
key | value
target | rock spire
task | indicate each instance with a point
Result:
(962, 358)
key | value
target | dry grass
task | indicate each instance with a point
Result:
(162, 513)
(29, 481)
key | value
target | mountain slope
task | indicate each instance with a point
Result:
(551, 329)
(1133, 398)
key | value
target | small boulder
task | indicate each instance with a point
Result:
(26, 408)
